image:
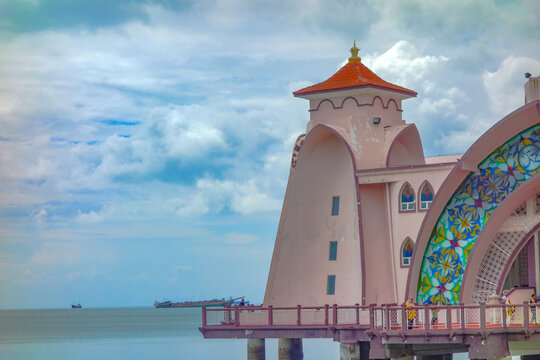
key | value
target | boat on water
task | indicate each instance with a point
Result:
(78, 306)
(203, 303)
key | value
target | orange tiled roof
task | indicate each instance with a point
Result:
(353, 75)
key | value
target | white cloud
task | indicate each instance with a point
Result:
(234, 238)
(441, 106)
(55, 253)
(182, 268)
(90, 217)
(87, 274)
(505, 85)
(40, 216)
(404, 64)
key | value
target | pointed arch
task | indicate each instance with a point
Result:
(425, 196)
(466, 194)
(407, 198)
(406, 252)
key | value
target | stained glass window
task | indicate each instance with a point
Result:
(407, 198)
(426, 196)
(407, 252)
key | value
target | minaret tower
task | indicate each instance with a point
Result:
(328, 238)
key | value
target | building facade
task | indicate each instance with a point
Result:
(367, 218)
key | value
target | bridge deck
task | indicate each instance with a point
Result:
(361, 323)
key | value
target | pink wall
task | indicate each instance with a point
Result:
(300, 265)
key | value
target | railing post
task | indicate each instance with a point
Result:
(462, 315)
(372, 316)
(357, 306)
(426, 318)
(386, 313)
(525, 314)
(204, 316)
(448, 317)
(270, 315)
(298, 315)
(504, 312)
(404, 318)
(483, 316)
(334, 314)
(326, 306)
(236, 316)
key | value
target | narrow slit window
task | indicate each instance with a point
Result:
(333, 250)
(335, 205)
(331, 285)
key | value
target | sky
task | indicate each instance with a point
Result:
(145, 145)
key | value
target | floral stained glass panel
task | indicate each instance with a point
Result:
(468, 210)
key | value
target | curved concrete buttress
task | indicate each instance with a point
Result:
(300, 263)
(404, 148)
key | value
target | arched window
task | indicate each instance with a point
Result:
(406, 198)
(426, 195)
(407, 249)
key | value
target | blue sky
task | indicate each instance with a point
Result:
(145, 145)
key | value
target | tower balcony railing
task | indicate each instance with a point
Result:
(378, 318)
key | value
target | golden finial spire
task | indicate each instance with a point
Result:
(354, 53)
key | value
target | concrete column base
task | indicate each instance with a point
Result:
(364, 350)
(349, 352)
(255, 349)
(290, 349)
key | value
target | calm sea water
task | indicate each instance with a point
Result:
(128, 333)
(122, 334)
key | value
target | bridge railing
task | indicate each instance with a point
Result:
(378, 318)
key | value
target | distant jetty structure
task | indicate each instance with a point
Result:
(369, 222)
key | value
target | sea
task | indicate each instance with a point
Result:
(126, 333)
(129, 334)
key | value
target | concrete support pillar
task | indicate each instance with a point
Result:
(255, 349)
(435, 357)
(349, 352)
(290, 349)
(364, 350)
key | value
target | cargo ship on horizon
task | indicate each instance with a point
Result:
(203, 303)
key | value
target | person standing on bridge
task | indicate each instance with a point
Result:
(509, 309)
(532, 304)
(411, 314)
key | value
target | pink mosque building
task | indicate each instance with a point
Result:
(368, 219)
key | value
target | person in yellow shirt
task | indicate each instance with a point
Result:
(532, 304)
(411, 314)
(509, 309)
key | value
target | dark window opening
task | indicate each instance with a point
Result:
(333, 250)
(331, 286)
(335, 205)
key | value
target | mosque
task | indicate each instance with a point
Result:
(369, 220)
